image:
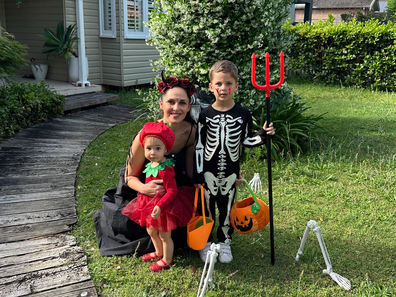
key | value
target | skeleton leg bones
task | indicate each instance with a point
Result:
(211, 258)
(340, 280)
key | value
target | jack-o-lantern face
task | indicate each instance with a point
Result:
(244, 225)
(248, 216)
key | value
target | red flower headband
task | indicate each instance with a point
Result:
(173, 81)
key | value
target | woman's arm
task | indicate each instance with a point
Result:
(134, 166)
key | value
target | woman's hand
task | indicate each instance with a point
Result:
(153, 188)
(270, 130)
(156, 212)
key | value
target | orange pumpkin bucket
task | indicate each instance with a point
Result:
(199, 227)
(250, 214)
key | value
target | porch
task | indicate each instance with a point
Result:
(66, 88)
(77, 97)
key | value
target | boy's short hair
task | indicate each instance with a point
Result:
(224, 66)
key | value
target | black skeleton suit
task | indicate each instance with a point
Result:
(218, 149)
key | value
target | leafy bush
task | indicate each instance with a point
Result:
(391, 10)
(24, 104)
(192, 35)
(11, 55)
(352, 54)
(295, 128)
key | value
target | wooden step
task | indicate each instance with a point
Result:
(77, 102)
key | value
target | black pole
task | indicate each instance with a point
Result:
(267, 102)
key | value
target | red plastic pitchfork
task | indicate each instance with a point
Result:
(268, 87)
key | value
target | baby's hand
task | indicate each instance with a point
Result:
(156, 212)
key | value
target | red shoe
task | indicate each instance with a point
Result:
(148, 257)
(156, 267)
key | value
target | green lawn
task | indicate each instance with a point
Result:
(346, 183)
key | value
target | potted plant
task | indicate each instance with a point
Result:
(62, 44)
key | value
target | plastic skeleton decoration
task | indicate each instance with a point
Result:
(210, 260)
(340, 280)
(224, 134)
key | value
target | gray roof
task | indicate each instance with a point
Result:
(341, 3)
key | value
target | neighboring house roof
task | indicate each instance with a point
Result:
(334, 4)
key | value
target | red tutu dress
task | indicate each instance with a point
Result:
(177, 205)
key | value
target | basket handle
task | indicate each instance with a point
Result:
(255, 206)
(250, 189)
(202, 201)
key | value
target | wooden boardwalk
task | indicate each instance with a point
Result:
(37, 204)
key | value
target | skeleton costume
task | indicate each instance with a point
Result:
(218, 149)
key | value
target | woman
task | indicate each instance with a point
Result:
(117, 234)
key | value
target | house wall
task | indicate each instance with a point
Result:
(91, 33)
(29, 20)
(112, 61)
(135, 57)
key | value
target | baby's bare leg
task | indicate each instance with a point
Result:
(154, 234)
(168, 247)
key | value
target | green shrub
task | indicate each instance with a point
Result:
(391, 10)
(295, 128)
(25, 104)
(358, 54)
(11, 55)
(192, 35)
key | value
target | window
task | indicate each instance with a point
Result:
(107, 18)
(136, 12)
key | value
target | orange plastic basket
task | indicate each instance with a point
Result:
(199, 227)
(249, 215)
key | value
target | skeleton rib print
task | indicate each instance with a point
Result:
(224, 131)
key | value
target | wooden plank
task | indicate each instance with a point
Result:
(43, 153)
(80, 121)
(15, 233)
(10, 208)
(56, 181)
(30, 258)
(90, 99)
(12, 190)
(115, 115)
(42, 133)
(41, 149)
(44, 260)
(27, 217)
(35, 282)
(17, 141)
(73, 290)
(23, 161)
(35, 245)
(71, 126)
(54, 194)
(36, 170)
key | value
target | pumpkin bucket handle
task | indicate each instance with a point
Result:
(250, 189)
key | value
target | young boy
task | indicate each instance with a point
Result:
(223, 128)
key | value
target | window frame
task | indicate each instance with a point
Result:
(145, 34)
(103, 32)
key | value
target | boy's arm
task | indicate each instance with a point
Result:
(253, 139)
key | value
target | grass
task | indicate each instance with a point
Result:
(346, 183)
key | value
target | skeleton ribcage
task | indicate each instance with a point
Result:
(223, 131)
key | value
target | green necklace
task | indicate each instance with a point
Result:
(153, 171)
